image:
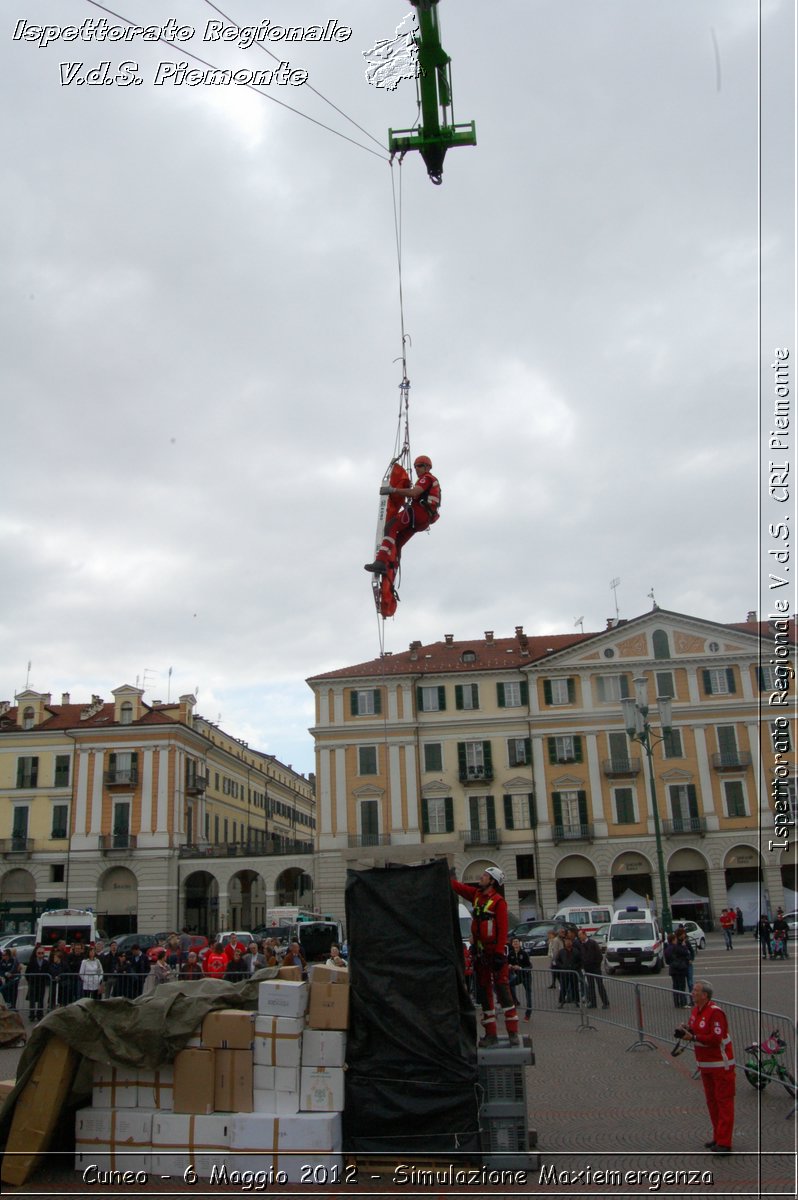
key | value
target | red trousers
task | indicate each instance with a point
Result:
(400, 529)
(719, 1084)
(488, 979)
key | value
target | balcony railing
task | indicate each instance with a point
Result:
(481, 836)
(122, 777)
(571, 833)
(476, 774)
(621, 766)
(685, 825)
(16, 845)
(117, 841)
(195, 784)
(243, 849)
(368, 839)
(731, 760)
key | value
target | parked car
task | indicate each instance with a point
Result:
(533, 935)
(792, 920)
(695, 934)
(634, 946)
(22, 943)
(145, 941)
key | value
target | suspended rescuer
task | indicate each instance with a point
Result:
(708, 1029)
(489, 933)
(420, 510)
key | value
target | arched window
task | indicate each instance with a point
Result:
(659, 640)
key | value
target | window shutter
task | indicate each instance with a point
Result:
(730, 679)
(556, 804)
(377, 701)
(487, 757)
(624, 686)
(528, 750)
(577, 749)
(490, 812)
(500, 694)
(571, 691)
(134, 760)
(420, 699)
(458, 696)
(524, 691)
(442, 699)
(552, 742)
(707, 682)
(112, 762)
(353, 709)
(473, 806)
(448, 810)
(547, 691)
(582, 801)
(508, 812)
(20, 772)
(462, 765)
(424, 815)
(692, 800)
(727, 740)
(474, 695)
(533, 814)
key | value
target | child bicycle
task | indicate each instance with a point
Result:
(763, 1064)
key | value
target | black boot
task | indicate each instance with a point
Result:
(376, 568)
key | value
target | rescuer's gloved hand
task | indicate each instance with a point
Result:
(386, 490)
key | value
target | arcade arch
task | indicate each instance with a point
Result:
(575, 873)
(117, 901)
(632, 871)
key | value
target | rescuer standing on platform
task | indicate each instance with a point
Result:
(489, 933)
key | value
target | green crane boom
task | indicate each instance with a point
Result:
(437, 131)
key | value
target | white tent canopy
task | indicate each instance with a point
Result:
(630, 899)
(685, 896)
(748, 898)
(575, 901)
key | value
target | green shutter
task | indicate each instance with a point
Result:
(730, 679)
(424, 815)
(377, 701)
(353, 709)
(624, 686)
(524, 691)
(20, 772)
(442, 699)
(556, 806)
(692, 800)
(458, 696)
(448, 809)
(487, 758)
(552, 743)
(473, 811)
(547, 691)
(577, 749)
(490, 812)
(571, 690)
(508, 812)
(528, 750)
(500, 694)
(462, 765)
(420, 699)
(474, 695)
(533, 813)
(707, 683)
(581, 798)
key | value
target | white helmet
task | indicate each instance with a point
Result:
(496, 875)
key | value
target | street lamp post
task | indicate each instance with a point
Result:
(638, 729)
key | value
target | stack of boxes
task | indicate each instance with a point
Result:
(259, 1091)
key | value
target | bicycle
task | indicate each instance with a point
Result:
(763, 1066)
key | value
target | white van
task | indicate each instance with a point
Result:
(68, 925)
(586, 917)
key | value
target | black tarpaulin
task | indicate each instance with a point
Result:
(411, 1050)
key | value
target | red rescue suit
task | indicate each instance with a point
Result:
(413, 517)
(489, 927)
(715, 1060)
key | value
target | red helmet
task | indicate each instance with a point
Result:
(423, 461)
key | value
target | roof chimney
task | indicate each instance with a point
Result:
(751, 618)
(519, 631)
(415, 645)
(65, 697)
(448, 638)
(488, 635)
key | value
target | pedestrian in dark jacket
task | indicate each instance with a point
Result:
(592, 959)
(108, 959)
(738, 913)
(677, 956)
(236, 970)
(520, 974)
(37, 977)
(764, 931)
(781, 930)
(10, 975)
(139, 970)
(569, 971)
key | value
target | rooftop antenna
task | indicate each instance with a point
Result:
(169, 686)
(614, 585)
(27, 677)
(580, 621)
(144, 681)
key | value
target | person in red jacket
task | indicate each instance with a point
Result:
(708, 1029)
(215, 962)
(728, 923)
(419, 511)
(489, 935)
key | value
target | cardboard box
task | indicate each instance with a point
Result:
(37, 1110)
(233, 1081)
(182, 1141)
(304, 1131)
(329, 1006)
(280, 1103)
(114, 1086)
(276, 1079)
(282, 998)
(293, 973)
(323, 1048)
(321, 1089)
(156, 1088)
(278, 1041)
(321, 974)
(194, 1081)
(113, 1139)
(229, 1029)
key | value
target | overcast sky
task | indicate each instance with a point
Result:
(201, 326)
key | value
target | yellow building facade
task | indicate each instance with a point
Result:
(513, 752)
